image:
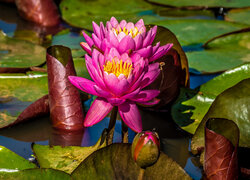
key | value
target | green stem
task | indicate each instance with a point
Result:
(124, 133)
(111, 127)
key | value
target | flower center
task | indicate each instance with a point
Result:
(118, 67)
(133, 32)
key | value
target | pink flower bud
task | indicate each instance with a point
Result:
(146, 148)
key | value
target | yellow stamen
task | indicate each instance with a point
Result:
(133, 32)
(118, 68)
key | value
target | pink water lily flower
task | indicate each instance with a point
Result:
(118, 80)
(126, 38)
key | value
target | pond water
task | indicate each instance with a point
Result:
(174, 142)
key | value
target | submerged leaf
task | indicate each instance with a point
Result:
(231, 104)
(192, 105)
(115, 161)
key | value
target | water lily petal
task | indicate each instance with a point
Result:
(116, 101)
(86, 47)
(145, 96)
(113, 21)
(96, 29)
(87, 39)
(115, 85)
(145, 52)
(123, 23)
(154, 30)
(131, 116)
(113, 53)
(138, 41)
(131, 94)
(150, 103)
(126, 44)
(101, 92)
(97, 42)
(83, 84)
(120, 36)
(160, 52)
(129, 26)
(98, 110)
(147, 39)
(112, 39)
(139, 24)
(102, 31)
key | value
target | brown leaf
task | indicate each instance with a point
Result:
(43, 12)
(65, 105)
(174, 69)
(221, 143)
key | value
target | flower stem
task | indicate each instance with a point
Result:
(111, 127)
(124, 133)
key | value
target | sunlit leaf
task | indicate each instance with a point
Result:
(19, 53)
(65, 158)
(81, 13)
(192, 105)
(198, 31)
(238, 15)
(115, 161)
(232, 104)
(204, 4)
(222, 53)
(10, 160)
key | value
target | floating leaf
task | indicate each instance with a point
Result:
(33, 174)
(10, 160)
(231, 104)
(81, 13)
(17, 92)
(221, 143)
(19, 53)
(219, 54)
(115, 161)
(203, 4)
(65, 158)
(198, 31)
(192, 105)
(238, 15)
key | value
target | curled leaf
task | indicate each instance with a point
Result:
(65, 105)
(221, 143)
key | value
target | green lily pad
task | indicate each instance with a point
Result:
(20, 53)
(34, 174)
(222, 53)
(202, 3)
(198, 31)
(231, 104)
(192, 105)
(81, 69)
(115, 161)
(238, 15)
(24, 87)
(65, 158)
(81, 13)
(17, 92)
(10, 160)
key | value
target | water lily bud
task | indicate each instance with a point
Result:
(146, 148)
